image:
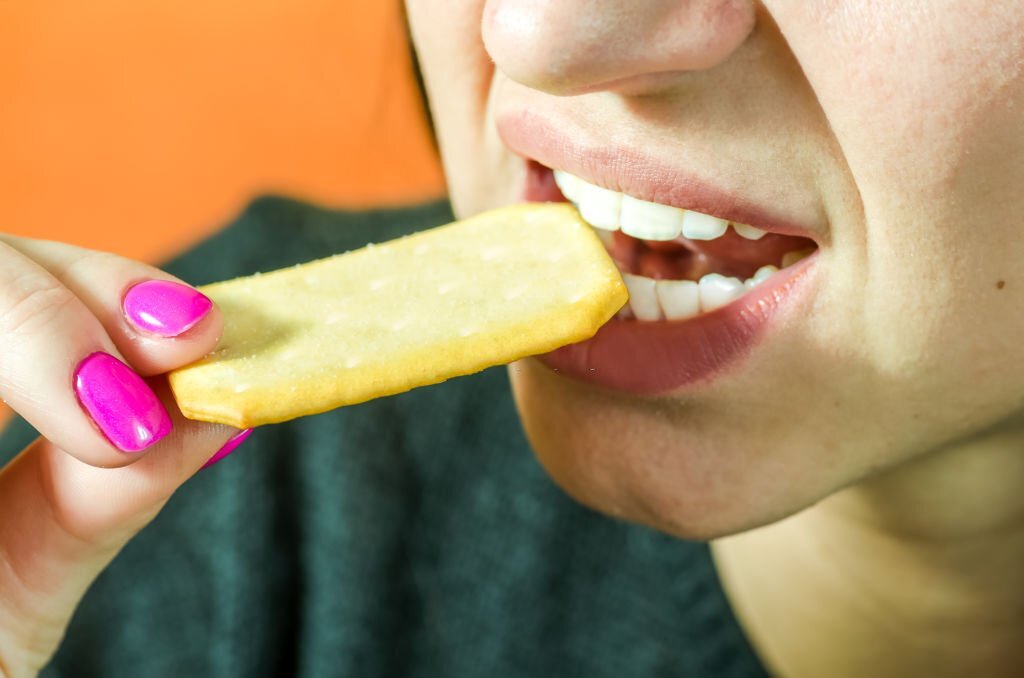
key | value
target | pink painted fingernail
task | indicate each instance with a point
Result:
(123, 406)
(230, 446)
(164, 307)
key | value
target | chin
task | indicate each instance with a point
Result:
(657, 461)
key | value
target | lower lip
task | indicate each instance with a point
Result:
(654, 358)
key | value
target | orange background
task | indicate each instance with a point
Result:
(140, 127)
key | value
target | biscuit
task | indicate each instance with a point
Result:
(387, 318)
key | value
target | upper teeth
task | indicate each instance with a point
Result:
(610, 210)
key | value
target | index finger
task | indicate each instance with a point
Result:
(60, 370)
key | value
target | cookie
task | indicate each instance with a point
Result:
(387, 318)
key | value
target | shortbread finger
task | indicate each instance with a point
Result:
(387, 318)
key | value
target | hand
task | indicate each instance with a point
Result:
(82, 343)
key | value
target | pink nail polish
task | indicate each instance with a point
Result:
(165, 308)
(123, 406)
(230, 446)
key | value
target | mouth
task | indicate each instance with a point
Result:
(703, 288)
(677, 263)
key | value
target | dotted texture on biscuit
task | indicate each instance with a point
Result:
(442, 303)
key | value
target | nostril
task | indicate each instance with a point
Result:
(577, 46)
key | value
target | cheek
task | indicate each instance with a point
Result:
(906, 90)
(458, 75)
(929, 119)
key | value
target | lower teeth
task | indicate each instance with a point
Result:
(652, 300)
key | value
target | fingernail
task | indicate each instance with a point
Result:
(164, 307)
(230, 446)
(123, 406)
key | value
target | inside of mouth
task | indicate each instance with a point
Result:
(729, 255)
(684, 259)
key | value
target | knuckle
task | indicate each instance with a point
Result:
(27, 308)
(87, 263)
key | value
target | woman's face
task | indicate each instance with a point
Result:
(891, 134)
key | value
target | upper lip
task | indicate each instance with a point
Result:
(618, 167)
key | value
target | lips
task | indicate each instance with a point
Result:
(649, 354)
(655, 358)
(622, 168)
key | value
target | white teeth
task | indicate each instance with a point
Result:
(765, 272)
(790, 258)
(568, 184)
(642, 219)
(679, 299)
(760, 276)
(652, 300)
(749, 232)
(699, 226)
(598, 206)
(650, 221)
(643, 297)
(717, 290)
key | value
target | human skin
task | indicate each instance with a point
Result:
(78, 363)
(890, 398)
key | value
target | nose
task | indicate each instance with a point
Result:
(577, 46)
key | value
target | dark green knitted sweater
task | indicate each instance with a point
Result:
(410, 536)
